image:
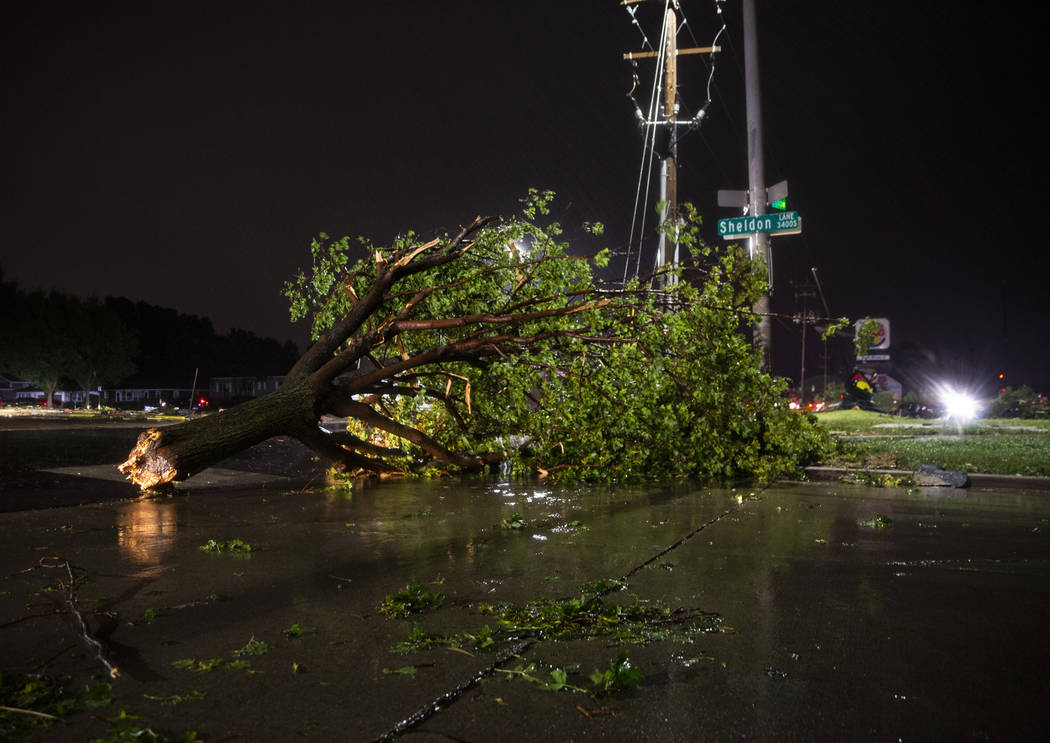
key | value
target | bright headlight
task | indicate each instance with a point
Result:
(958, 405)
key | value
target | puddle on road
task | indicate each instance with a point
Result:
(146, 532)
(841, 611)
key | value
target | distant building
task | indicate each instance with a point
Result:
(218, 391)
(231, 389)
(154, 396)
(11, 388)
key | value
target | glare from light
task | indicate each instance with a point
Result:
(958, 405)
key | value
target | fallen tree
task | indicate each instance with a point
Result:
(447, 353)
(443, 303)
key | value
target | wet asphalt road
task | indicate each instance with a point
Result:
(51, 462)
(929, 628)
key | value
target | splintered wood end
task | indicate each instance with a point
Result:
(146, 466)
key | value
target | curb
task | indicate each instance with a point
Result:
(981, 480)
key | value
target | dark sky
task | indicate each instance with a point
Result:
(185, 153)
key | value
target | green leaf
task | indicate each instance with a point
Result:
(402, 671)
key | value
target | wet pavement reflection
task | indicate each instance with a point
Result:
(146, 533)
(926, 623)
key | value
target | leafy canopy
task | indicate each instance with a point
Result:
(564, 375)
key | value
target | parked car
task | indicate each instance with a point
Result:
(927, 410)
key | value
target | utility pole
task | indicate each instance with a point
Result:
(667, 62)
(805, 292)
(827, 314)
(668, 167)
(756, 179)
(193, 389)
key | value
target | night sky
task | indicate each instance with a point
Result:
(184, 153)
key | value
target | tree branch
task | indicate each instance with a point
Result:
(387, 274)
(342, 458)
(362, 383)
(347, 439)
(369, 416)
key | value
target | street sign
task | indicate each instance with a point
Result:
(779, 223)
(777, 192)
(732, 198)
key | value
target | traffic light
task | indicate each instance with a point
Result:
(779, 204)
(1002, 382)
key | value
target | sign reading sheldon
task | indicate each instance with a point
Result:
(777, 223)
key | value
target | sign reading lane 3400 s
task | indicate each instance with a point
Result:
(777, 223)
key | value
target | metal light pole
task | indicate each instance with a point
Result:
(756, 178)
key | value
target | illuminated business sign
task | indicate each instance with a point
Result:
(879, 348)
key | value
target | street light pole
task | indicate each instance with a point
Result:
(756, 178)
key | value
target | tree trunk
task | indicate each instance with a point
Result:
(49, 392)
(164, 456)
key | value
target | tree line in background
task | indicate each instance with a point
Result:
(55, 340)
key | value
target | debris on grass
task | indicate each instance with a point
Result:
(878, 479)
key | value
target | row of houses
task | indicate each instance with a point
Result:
(218, 391)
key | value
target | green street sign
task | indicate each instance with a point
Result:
(779, 223)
